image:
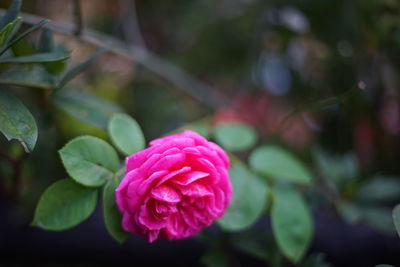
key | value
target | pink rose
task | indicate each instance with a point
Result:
(174, 188)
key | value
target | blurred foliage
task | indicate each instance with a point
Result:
(312, 85)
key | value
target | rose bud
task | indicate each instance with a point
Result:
(174, 188)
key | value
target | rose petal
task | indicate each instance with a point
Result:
(188, 217)
(173, 141)
(166, 193)
(145, 185)
(124, 199)
(172, 174)
(216, 202)
(174, 188)
(206, 166)
(191, 150)
(160, 149)
(127, 223)
(189, 177)
(200, 140)
(149, 163)
(171, 229)
(151, 222)
(195, 190)
(225, 185)
(168, 162)
(137, 159)
(153, 235)
(164, 208)
(220, 152)
(211, 155)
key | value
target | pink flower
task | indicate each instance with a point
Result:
(174, 188)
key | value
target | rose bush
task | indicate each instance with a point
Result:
(174, 188)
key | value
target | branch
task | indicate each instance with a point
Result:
(78, 17)
(130, 23)
(179, 78)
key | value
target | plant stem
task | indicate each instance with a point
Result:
(202, 92)
(78, 17)
(16, 177)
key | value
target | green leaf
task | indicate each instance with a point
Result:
(23, 48)
(63, 205)
(75, 71)
(23, 35)
(126, 134)
(378, 217)
(249, 199)
(215, 258)
(291, 223)
(349, 211)
(37, 58)
(16, 25)
(4, 33)
(379, 189)
(89, 160)
(396, 218)
(235, 136)
(337, 169)
(316, 260)
(46, 41)
(278, 163)
(85, 107)
(7, 32)
(16, 122)
(254, 243)
(112, 216)
(11, 13)
(28, 76)
(46, 44)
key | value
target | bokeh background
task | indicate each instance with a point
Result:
(333, 65)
